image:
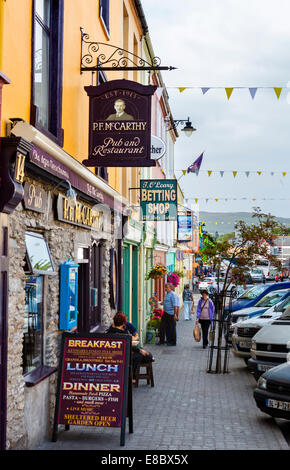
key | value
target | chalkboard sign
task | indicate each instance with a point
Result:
(94, 382)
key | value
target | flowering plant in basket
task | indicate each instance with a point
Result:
(173, 279)
(157, 272)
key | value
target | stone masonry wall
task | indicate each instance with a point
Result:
(63, 240)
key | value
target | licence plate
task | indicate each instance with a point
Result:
(245, 344)
(279, 405)
(264, 367)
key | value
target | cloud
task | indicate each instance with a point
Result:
(227, 44)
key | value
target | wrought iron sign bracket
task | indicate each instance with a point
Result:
(99, 56)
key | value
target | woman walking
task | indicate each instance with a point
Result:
(205, 315)
(187, 301)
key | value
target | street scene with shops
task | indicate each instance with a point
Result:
(144, 227)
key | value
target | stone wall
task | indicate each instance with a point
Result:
(63, 239)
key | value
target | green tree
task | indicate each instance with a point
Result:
(242, 251)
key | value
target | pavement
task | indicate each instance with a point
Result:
(188, 409)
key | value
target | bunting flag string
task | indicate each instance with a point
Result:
(229, 90)
(236, 172)
(197, 199)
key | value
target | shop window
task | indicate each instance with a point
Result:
(46, 97)
(38, 256)
(38, 264)
(104, 14)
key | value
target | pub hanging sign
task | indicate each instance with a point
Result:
(120, 124)
(158, 200)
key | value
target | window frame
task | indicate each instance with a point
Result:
(41, 371)
(54, 131)
(104, 14)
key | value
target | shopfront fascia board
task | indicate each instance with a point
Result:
(31, 134)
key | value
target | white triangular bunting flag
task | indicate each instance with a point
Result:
(159, 92)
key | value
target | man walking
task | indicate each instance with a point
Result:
(169, 316)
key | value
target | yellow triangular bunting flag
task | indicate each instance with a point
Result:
(196, 201)
(259, 172)
(181, 89)
(229, 92)
(278, 92)
(216, 200)
(235, 173)
(184, 172)
(284, 173)
(209, 172)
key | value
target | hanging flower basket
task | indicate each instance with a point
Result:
(173, 279)
(157, 272)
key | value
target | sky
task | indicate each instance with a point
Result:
(227, 43)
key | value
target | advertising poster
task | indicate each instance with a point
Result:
(93, 382)
(120, 124)
(158, 199)
(184, 227)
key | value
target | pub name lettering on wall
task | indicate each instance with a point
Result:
(80, 214)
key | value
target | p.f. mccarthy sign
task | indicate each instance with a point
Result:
(120, 124)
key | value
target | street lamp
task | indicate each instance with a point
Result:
(188, 128)
(71, 195)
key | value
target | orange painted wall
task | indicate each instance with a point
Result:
(15, 61)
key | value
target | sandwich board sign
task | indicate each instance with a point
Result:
(94, 386)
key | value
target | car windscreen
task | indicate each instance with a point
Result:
(283, 305)
(286, 314)
(271, 299)
(254, 292)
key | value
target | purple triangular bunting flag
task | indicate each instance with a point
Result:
(253, 92)
(204, 90)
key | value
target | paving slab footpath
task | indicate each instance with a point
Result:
(188, 409)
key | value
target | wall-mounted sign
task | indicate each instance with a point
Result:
(184, 227)
(120, 124)
(35, 198)
(158, 199)
(93, 381)
(158, 147)
(81, 215)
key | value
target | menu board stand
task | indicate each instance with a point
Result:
(94, 382)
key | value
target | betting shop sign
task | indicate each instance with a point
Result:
(120, 124)
(158, 199)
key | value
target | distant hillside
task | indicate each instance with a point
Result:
(224, 222)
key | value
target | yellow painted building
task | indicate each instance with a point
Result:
(44, 106)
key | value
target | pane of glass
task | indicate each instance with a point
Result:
(42, 9)
(32, 336)
(253, 293)
(41, 74)
(38, 253)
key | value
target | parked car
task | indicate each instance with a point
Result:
(270, 345)
(245, 330)
(272, 394)
(253, 295)
(257, 275)
(207, 282)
